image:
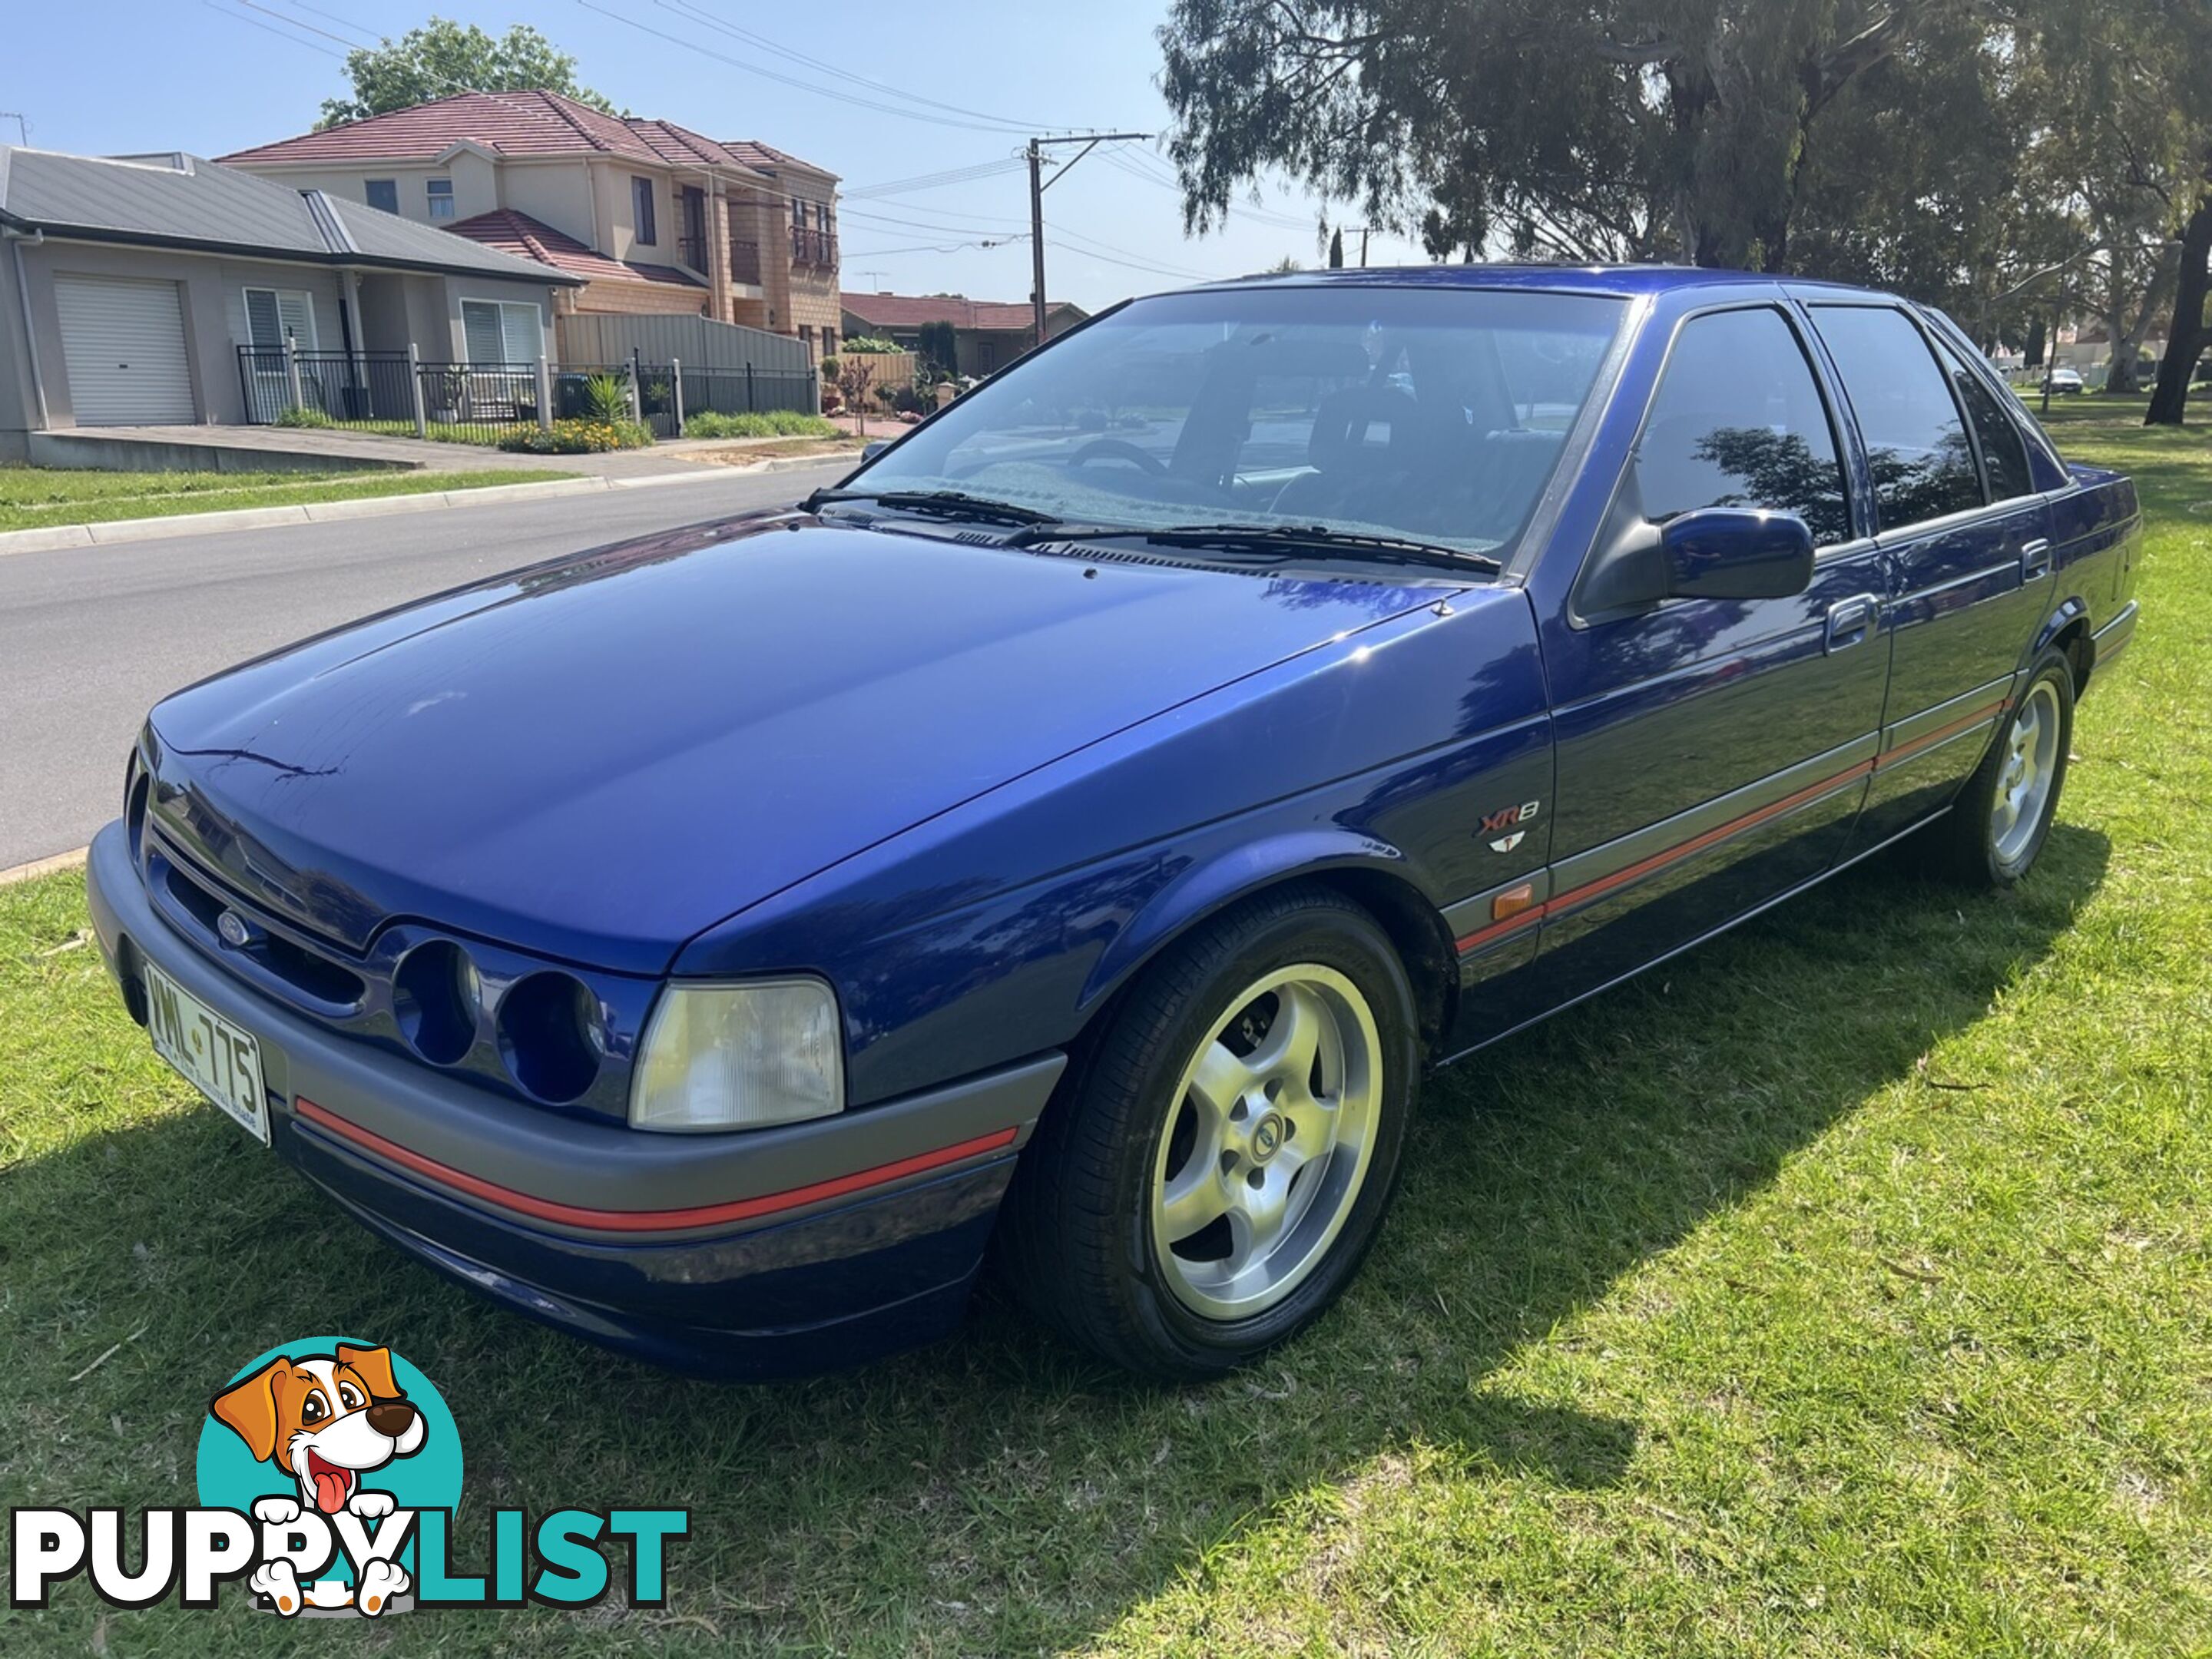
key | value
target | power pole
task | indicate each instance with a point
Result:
(1037, 237)
(1038, 186)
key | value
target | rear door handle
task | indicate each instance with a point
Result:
(2034, 559)
(1851, 621)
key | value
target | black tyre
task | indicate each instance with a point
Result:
(2004, 815)
(1213, 1176)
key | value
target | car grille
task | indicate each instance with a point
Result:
(547, 1033)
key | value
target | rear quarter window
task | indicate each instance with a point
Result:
(2004, 454)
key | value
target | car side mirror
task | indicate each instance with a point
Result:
(1736, 553)
(1711, 553)
(869, 452)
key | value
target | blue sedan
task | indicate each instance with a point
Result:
(1069, 843)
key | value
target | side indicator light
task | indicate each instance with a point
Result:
(1512, 901)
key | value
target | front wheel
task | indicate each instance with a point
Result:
(2004, 815)
(1213, 1176)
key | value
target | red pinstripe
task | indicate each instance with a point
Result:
(642, 1221)
(1606, 883)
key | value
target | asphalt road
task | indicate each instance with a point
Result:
(91, 637)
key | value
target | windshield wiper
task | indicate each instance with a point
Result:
(1268, 539)
(944, 503)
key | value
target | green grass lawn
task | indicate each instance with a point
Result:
(33, 497)
(1845, 1287)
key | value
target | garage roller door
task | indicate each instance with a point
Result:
(124, 341)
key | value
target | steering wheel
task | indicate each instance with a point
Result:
(1118, 449)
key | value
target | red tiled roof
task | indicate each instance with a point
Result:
(908, 311)
(526, 238)
(504, 123)
(767, 158)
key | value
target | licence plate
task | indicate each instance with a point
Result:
(216, 1058)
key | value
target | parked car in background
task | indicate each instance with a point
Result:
(1083, 828)
(2067, 380)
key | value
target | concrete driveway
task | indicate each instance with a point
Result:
(90, 637)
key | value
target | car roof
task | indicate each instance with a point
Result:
(1625, 280)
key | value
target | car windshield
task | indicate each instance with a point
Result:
(1421, 413)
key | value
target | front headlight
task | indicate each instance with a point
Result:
(739, 1057)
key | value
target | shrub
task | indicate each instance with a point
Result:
(303, 417)
(577, 438)
(605, 398)
(772, 423)
(873, 343)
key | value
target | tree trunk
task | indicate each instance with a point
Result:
(2120, 370)
(2154, 298)
(2184, 338)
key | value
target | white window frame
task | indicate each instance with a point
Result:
(311, 342)
(503, 307)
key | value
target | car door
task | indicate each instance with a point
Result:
(1713, 753)
(1967, 545)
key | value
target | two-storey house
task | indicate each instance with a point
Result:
(652, 217)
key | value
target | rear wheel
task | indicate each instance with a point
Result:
(2004, 815)
(1219, 1167)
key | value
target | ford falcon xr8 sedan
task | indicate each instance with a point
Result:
(1069, 841)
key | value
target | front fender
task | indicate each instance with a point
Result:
(1210, 886)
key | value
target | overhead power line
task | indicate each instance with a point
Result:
(271, 29)
(702, 15)
(935, 180)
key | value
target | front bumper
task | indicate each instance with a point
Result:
(772, 1252)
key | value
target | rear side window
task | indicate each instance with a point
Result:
(1915, 443)
(1738, 421)
(2005, 456)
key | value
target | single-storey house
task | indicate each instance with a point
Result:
(129, 284)
(987, 334)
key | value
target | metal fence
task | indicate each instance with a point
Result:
(392, 393)
(388, 392)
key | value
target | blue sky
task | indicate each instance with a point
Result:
(212, 75)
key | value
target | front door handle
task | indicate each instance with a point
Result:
(2034, 559)
(1851, 620)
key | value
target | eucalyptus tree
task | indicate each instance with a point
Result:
(1586, 129)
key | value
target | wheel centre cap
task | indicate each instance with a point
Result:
(1266, 1137)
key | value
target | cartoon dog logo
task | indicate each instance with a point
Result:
(325, 1420)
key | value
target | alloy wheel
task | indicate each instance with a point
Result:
(1264, 1152)
(2026, 774)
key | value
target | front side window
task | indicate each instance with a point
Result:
(1431, 414)
(1915, 443)
(440, 193)
(383, 194)
(641, 201)
(2004, 454)
(1738, 421)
